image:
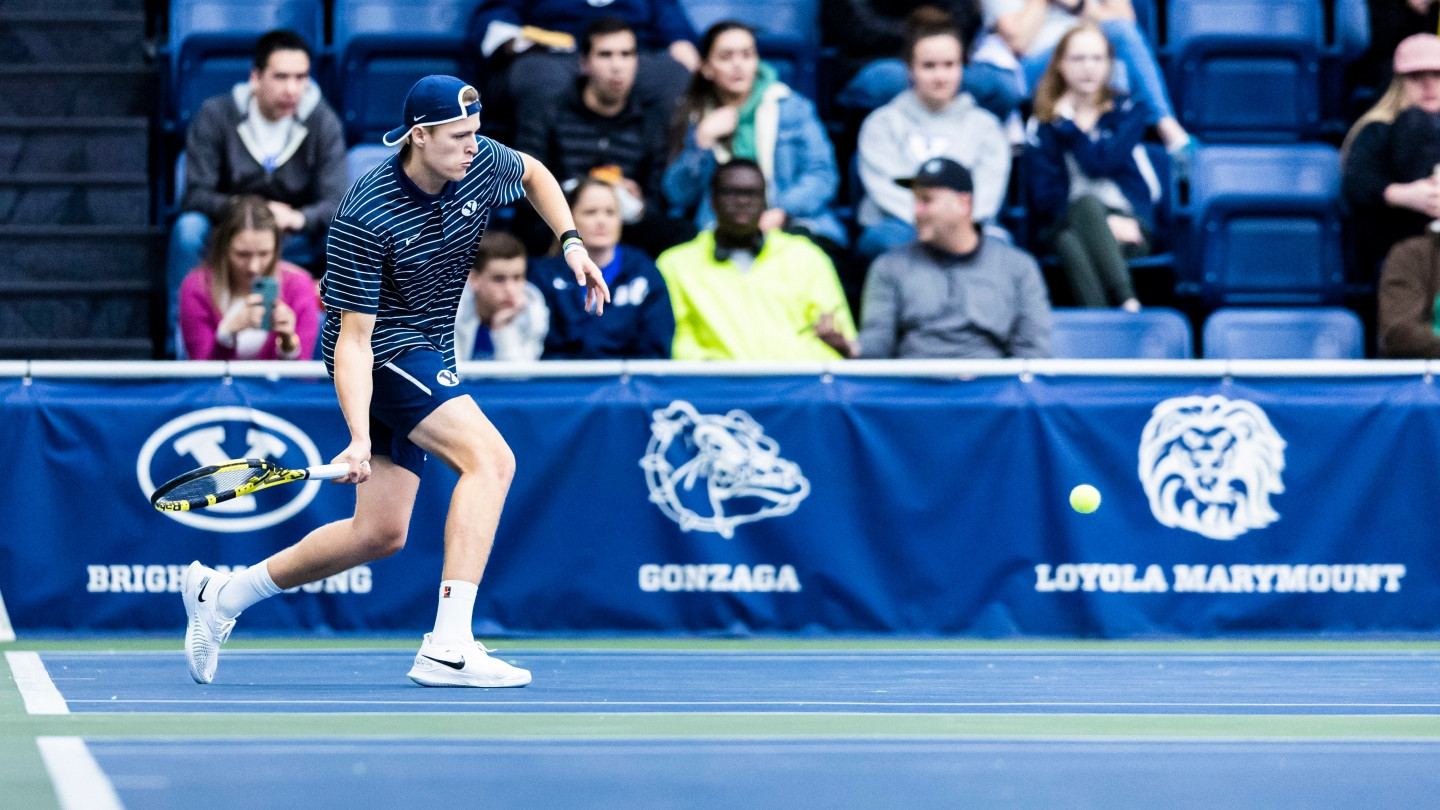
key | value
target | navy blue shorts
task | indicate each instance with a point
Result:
(406, 390)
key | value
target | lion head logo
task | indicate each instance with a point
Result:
(712, 473)
(1210, 464)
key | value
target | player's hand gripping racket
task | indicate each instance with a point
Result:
(208, 486)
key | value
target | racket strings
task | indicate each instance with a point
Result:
(216, 483)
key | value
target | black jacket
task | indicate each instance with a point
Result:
(571, 139)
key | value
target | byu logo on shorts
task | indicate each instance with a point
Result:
(447, 378)
(1210, 464)
(712, 473)
(469, 208)
(213, 435)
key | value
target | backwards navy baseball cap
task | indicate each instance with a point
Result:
(433, 100)
(940, 173)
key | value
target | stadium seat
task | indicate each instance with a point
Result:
(383, 46)
(1264, 226)
(1317, 333)
(1246, 70)
(365, 156)
(212, 46)
(787, 33)
(1154, 333)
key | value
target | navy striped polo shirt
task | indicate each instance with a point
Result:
(403, 255)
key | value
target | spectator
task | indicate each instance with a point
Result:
(868, 34)
(638, 323)
(597, 126)
(953, 293)
(223, 301)
(273, 136)
(737, 108)
(501, 315)
(1391, 156)
(932, 119)
(1031, 29)
(1092, 188)
(1409, 285)
(528, 47)
(741, 293)
(1390, 23)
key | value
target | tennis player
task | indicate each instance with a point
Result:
(399, 251)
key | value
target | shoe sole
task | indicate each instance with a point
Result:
(423, 680)
(192, 609)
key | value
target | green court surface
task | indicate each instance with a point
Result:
(24, 781)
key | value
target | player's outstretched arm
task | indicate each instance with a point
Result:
(548, 200)
(353, 361)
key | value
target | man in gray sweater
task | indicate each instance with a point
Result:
(952, 293)
(273, 136)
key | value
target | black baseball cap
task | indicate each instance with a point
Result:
(940, 173)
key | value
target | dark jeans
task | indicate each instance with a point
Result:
(1095, 263)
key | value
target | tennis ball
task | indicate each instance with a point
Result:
(1085, 499)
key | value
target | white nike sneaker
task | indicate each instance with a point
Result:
(466, 665)
(206, 632)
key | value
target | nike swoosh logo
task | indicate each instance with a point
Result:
(203, 583)
(450, 664)
(421, 118)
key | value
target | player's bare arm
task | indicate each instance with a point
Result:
(353, 361)
(548, 200)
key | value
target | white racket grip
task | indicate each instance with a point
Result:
(326, 472)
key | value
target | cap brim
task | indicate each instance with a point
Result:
(396, 136)
(905, 182)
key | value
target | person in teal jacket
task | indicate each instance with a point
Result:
(737, 107)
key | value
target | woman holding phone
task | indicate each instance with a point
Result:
(243, 302)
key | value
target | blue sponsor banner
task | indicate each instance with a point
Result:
(810, 504)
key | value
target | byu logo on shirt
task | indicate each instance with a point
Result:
(469, 208)
(447, 378)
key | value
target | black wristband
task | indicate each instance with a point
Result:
(570, 234)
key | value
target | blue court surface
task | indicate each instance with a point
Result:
(795, 727)
(779, 773)
(697, 681)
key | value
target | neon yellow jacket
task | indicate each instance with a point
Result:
(765, 314)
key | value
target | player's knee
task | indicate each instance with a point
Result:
(385, 542)
(491, 459)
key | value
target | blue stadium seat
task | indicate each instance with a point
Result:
(365, 156)
(1318, 333)
(1265, 226)
(787, 33)
(1154, 333)
(383, 46)
(1246, 70)
(212, 46)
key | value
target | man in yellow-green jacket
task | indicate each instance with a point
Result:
(743, 293)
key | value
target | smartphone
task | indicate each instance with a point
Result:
(267, 287)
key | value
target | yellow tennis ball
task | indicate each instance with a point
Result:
(1085, 499)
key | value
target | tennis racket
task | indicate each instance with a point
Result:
(218, 483)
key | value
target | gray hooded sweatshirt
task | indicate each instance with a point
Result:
(309, 174)
(898, 137)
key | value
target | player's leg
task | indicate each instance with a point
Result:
(382, 513)
(460, 435)
(378, 530)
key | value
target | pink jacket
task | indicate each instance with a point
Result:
(199, 317)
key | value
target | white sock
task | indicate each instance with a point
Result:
(245, 589)
(452, 619)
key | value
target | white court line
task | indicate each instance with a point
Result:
(521, 705)
(79, 782)
(7, 631)
(39, 692)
